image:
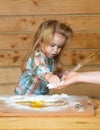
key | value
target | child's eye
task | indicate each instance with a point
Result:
(60, 47)
(52, 45)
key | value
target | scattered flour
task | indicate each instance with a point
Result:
(11, 101)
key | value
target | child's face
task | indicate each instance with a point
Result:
(55, 47)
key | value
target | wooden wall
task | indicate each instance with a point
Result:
(19, 20)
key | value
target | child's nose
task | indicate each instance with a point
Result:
(56, 49)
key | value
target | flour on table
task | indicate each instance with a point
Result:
(70, 101)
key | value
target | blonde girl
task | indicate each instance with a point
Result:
(41, 65)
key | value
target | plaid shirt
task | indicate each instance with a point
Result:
(32, 80)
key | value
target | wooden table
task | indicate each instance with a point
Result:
(52, 123)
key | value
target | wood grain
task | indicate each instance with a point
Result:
(29, 7)
(68, 57)
(30, 24)
(24, 41)
(59, 123)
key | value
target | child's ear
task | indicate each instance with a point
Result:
(41, 44)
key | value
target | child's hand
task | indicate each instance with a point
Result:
(54, 79)
(55, 85)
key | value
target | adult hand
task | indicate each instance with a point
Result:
(68, 79)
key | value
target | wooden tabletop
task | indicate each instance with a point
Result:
(52, 123)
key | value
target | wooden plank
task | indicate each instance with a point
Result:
(24, 41)
(12, 58)
(73, 57)
(15, 41)
(31, 23)
(52, 123)
(79, 89)
(85, 68)
(29, 7)
(11, 75)
(76, 89)
(7, 89)
(69, 57)
(85, 40)
(72, 123)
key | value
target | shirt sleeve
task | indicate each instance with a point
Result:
(38, 66)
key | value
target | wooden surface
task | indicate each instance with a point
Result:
(52, 123)
(48, 7)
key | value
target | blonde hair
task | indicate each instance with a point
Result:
(45, 33)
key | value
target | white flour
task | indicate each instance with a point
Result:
(11, 101)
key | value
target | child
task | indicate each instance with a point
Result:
(41, 64)
(75, 77)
